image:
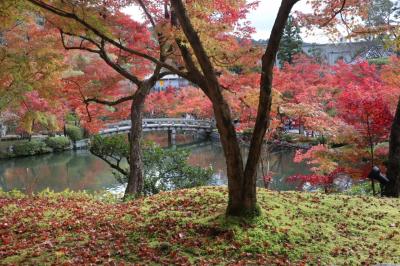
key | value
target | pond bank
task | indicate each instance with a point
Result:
(244, 139)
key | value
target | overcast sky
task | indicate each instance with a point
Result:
(263, 19)
(264, 16)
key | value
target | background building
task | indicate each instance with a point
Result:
(346, 51)
(173, 81)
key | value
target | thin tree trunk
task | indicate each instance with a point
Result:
(393, 170)
(371, 148)
(135, 178)
(30, 134)
(264, 106)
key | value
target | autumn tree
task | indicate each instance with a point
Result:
(241, 178)
(367, 111)
(307, 94)
(89, 77)
(124, 45)
(196, 41)
(360, 115)
(177, 102)
(36, 112)
(91, 37)
(354, 17)
(31, 68)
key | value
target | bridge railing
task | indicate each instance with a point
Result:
(162, 122)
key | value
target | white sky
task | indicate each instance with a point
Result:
(262, 19)
(264, 16)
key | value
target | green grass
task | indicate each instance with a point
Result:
(189, 227)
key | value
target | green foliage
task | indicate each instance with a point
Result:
(379, 61)
(291, 43)
(30, 148)
(36, 53)
(319, 140)
(316, 53)
(116, 145)
(247, 133)
(4, 155)
(189, 227)
(164, 169)
(362, 189)
(287, 137)
(304, 139)
(58, 143)
(168, 169)
(74, 133)
(71, 118)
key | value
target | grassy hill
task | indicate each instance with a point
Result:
(188, 227)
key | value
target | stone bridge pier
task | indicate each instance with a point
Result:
(171, 137)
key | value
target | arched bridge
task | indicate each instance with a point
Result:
(172, 125)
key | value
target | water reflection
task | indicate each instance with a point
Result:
(82, 171)
(68, 170)
(280, 165)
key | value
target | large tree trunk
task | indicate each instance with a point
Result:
(241, 182)
(135, 178)
(393, 188)
(240, 202)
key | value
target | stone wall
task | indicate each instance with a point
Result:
(347, 51)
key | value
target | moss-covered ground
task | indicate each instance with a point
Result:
(188, 227)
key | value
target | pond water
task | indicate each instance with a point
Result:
(80, 170)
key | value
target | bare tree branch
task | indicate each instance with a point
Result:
(115, 166)
(109, 103)
(103, 54)
(80, 47)
(82, 95)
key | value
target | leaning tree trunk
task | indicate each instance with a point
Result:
(264, 106)
(135, 178)
(392, 189)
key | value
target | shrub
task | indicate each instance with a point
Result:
(287, 137)
(71, 118)
(361, 189)
(5, 155)
(30, 148)
(164, 169)
(378, 61)
(116, 146)
(168, 169)
(58, 143)
(304, 139)
(74, 133)
(247, 132)
(319, 140)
